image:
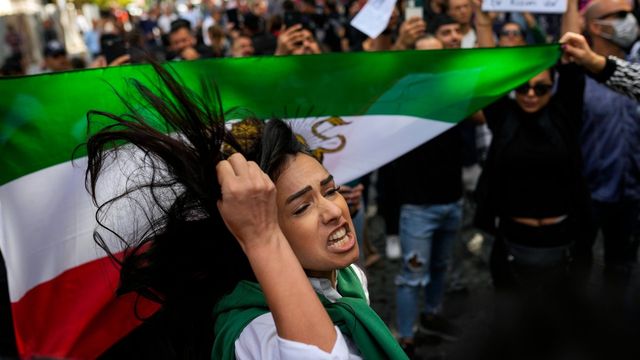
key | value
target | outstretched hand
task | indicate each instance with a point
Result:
(248, 205)
(576, 49)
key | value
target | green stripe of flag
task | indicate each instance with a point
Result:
(42, 118)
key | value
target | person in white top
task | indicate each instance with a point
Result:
(268, 244)
(461, 11)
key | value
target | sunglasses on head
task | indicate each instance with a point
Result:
(538, 89)
(510, 32)
(617, 14)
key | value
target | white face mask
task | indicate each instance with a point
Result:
(625, 31)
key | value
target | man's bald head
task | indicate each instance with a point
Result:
(611, 26)
(598, 9)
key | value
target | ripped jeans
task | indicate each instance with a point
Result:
(427, 236)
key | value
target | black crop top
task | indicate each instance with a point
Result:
(536, 177)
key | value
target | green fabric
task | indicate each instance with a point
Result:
(351, 314)
(43, 117)
(233, 313)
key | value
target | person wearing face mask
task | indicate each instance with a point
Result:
(610, 140)
(618, 74)
(622, 24)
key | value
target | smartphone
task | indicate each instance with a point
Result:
(292, 18)
(113, 46)
(413, 11)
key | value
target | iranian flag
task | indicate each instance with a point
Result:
(358, 111)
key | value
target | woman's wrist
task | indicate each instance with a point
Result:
(595, 63)
(272, 242)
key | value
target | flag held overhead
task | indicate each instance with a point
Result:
(359, 110)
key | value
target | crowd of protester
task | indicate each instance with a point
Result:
(258, 28)
(550, 166)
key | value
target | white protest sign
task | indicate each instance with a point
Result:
(374, 17)
(532, 6)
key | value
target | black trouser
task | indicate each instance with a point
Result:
(618, 223)
(530, 257)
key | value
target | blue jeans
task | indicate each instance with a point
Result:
(427, 235)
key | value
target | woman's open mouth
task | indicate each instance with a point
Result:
(342, 239)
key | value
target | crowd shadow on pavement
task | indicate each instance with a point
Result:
(495, 326)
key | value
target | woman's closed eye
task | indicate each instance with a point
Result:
(301, 209)
(332, 191)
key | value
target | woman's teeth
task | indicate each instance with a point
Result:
(338, 236)
(339, 243)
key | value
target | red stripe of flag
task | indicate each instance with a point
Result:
(76, 315)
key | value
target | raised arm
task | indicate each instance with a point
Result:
(576, 49)
(539, 37)
(484, 25)
(571, 18)
(620, 75)
(410, 31)
(625, 77)
(249, 209)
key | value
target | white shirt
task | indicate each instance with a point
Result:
(206, 24)
(469, 40)
(164, 22)
(260, 340)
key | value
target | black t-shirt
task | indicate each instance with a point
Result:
(537, 180)
(432, 172)
(535, 157)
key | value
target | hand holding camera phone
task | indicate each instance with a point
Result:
(411, 11)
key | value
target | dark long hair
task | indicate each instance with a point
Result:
(180, 253)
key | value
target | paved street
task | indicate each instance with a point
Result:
(471, 304)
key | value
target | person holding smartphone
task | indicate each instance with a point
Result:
(297, 40)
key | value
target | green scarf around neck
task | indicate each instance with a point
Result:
(351, 314)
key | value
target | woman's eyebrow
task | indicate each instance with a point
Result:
(298, 194)
(307, 188)
(327, 180)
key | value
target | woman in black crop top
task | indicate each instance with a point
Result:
(531, 194)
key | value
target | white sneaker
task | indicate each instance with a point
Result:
(475, 244)
(393, 250)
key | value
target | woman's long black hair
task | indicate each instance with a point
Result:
(181, 254)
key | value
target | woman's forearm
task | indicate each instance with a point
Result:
(296, 308)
